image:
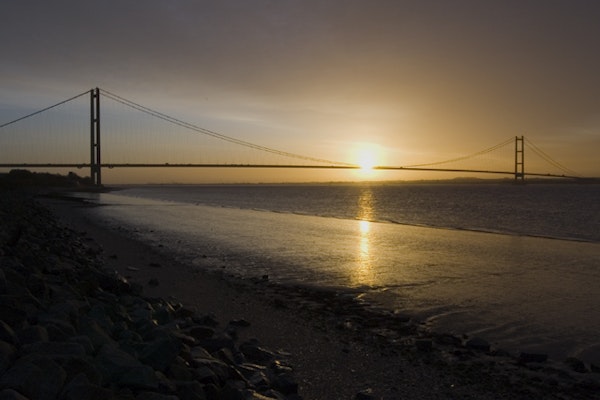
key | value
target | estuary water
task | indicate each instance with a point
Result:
(518, 265)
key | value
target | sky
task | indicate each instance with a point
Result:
(407, 81)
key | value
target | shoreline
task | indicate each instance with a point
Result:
(321, 332)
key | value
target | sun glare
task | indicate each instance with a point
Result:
(367, 156)
(366, 161)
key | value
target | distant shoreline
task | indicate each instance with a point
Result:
(19, 178)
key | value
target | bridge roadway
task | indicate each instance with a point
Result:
(275, 166)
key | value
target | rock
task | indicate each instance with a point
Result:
(55, 349)
(72, 330)
(532, 357)
(119, 367)
(576, 365)
(190, 391)
(286, 384)
(10, 394)
(155, 396)
(424, 344)
(10, 314)
(3, 283)
(91, 329)
(75, 366)
(256, 353)
(448, 339)
(204, 374)
(240, 323)
(32, 334)
(39, 379)
(160, 354)
(7, 334)
(478, 344)
(216, 343)
(366, 394)
(200, 332)
(84, 342)
(7, 355)
(180, 370)
(80, 388)
(260, 381)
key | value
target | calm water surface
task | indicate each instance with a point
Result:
(518, 265)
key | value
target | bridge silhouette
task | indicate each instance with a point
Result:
(61, 135)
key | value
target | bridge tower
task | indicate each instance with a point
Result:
(95, 163)
(520, 159)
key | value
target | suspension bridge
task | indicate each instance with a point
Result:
(78, 133)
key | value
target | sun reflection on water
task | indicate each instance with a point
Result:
(363, 272)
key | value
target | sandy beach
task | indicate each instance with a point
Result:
(337, 349)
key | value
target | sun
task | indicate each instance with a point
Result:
(366, 159)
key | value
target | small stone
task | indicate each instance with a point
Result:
(286, 384)
(40, 379)
(10, 394)
(216, 343)
(121, 368)
(241, 323)
(32, 334)
(448, 339)
(366, 394)
(3, 283)
(7, 355)
(478, 344)
(7, 333)
(62, 349)
(576, 365)
(190, 391)
(80, 388)
(155, 396)
(75, 366)
(161, 353)
(256, 353)
(533, 357)
(200, 332)
(424, 344)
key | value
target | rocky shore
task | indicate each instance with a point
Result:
(71, 327)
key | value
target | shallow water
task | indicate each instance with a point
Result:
(523, 293)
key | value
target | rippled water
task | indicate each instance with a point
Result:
(532, 285)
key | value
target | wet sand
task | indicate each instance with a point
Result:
(336, 347)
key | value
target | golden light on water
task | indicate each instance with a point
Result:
(363, 273)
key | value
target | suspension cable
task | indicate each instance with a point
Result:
(499, 145)
(214, 134)
(531, 146)
(45, 109)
